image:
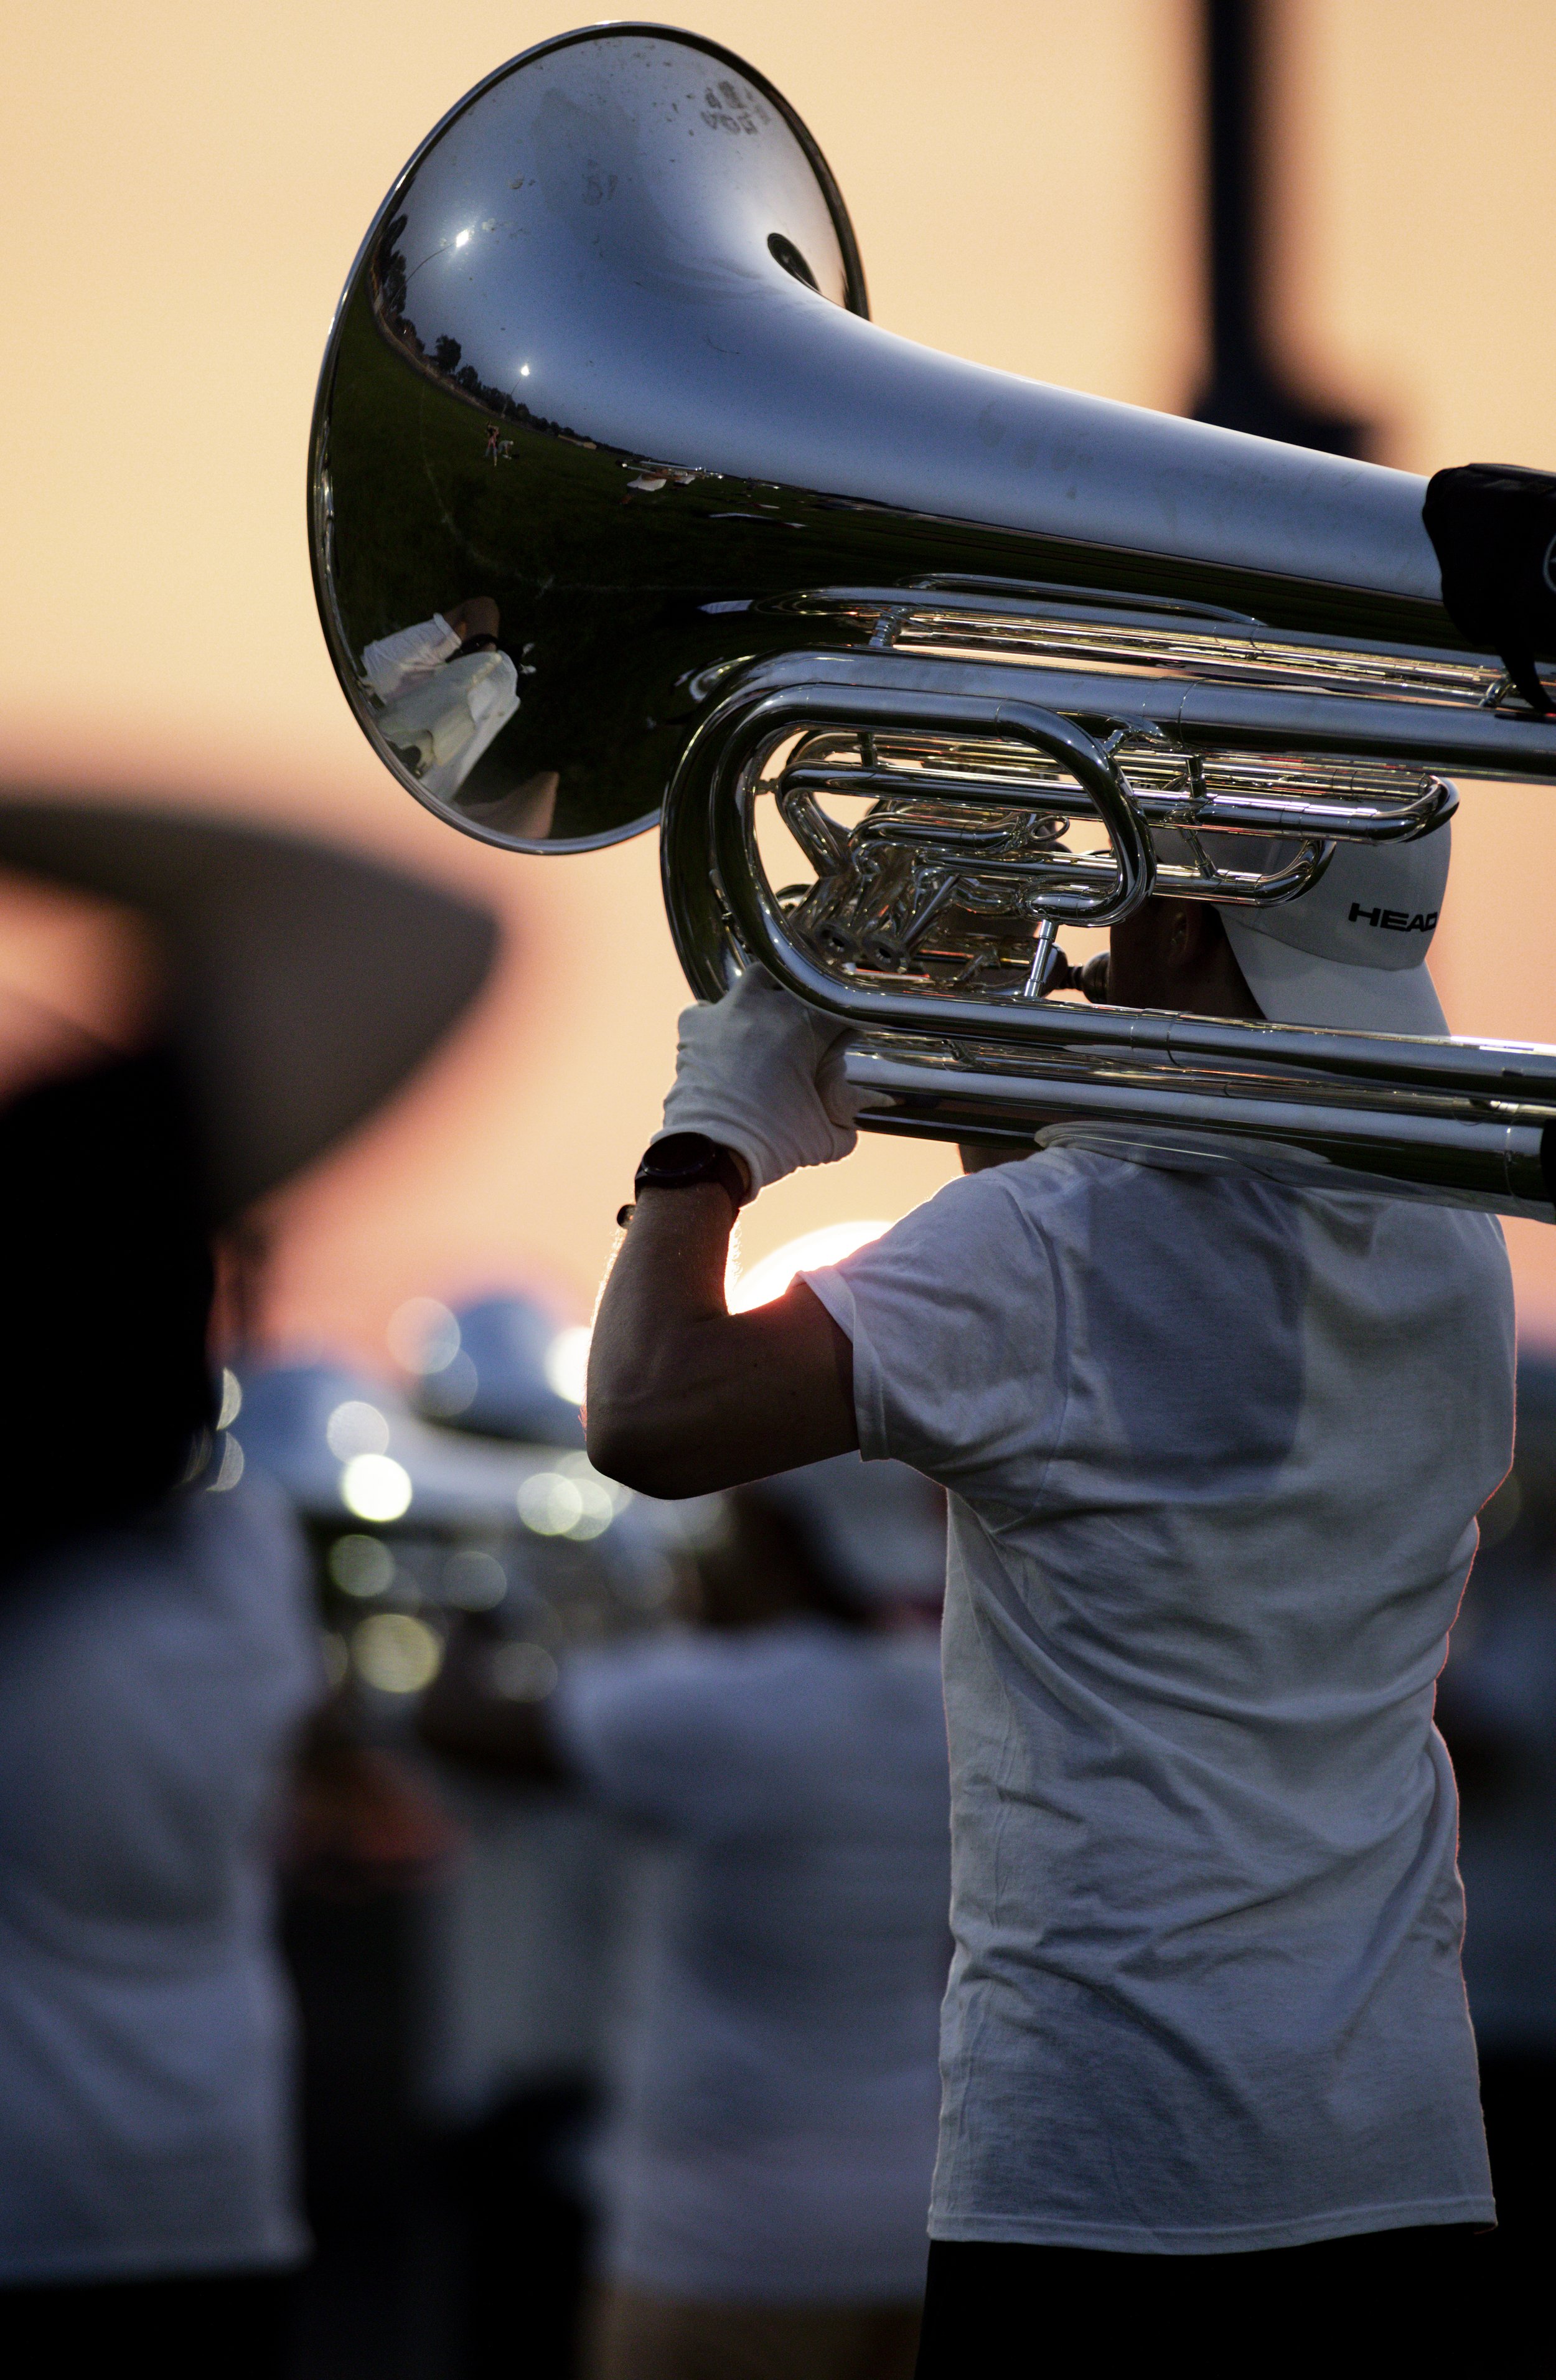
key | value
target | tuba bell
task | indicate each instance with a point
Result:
(621, 510)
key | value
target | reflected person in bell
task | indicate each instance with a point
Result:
(1216, 1435)
(447, 691)
(766, 2170)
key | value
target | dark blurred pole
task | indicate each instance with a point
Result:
(1245, 390)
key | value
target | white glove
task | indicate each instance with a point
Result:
(762, 1073)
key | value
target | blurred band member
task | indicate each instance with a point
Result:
(767, 2172)
(157, 1655)
(522, 1953)
(179, 1031)
(1216, 1433)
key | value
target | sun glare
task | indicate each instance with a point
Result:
(771, 1276)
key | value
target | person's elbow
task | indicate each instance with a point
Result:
(636, 1443)
(650, 1444)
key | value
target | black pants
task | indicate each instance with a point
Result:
(999, 2310)
(211, 2326)
(1519, 2097)
(514, 2233)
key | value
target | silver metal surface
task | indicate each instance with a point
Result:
(622, 510)
(604, 365)
(1464, 1152)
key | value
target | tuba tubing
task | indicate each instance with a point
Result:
(711, 810)
(621, 510)
(1453, 1158)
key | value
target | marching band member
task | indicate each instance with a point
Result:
(191, 1010)
(1215, 1434)
(768, 2155)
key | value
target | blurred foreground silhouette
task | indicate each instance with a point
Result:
(179, 1030)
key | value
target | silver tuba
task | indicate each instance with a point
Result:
(622, 511)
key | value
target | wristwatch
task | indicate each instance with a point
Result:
(683, 1158)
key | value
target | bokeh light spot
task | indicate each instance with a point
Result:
(423, 1335)
(567, 1363)
(361, 1566)
(229, 1470)
(376, 1488)
(525, 1674)
(355, 1427)
(549, 1504)
(474, 1580)
(396, 1653)
(451, 1389)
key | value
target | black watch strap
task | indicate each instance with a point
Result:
(682, 1159)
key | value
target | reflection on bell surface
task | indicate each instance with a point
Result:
(445, 691)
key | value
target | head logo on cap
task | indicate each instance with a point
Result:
(1350, 952)
(1392, 921)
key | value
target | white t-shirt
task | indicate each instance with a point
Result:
(775, 2134)
(522, 1950)
(1215, 1447)
(151, 1682)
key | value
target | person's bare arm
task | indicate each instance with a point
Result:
(475, 616)
(686, 1397)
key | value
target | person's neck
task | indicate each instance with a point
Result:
(1211, 992)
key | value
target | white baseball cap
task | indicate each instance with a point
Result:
(1351, 952)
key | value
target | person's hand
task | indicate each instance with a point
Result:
(761, 1073)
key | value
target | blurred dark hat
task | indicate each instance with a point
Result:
(309, 981)
(877, 1530)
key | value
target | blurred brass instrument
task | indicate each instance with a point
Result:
(622, 511)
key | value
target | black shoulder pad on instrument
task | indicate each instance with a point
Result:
(1494, 527)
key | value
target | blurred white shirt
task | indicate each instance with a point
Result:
(775, 2130)
(151, 1682)
(523, 1947)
